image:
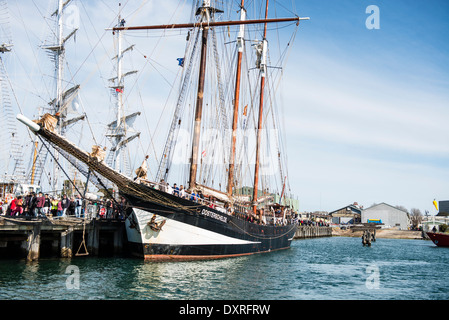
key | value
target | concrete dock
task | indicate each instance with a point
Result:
(34, 238)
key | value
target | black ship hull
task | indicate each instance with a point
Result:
(158, 232)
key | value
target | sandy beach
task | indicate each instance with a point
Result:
(382, 233)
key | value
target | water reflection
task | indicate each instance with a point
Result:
(188, 280)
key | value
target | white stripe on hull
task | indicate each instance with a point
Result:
(175, 233)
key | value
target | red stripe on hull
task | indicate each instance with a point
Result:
(168, 257)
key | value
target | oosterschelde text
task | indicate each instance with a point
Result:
(214, 215)
(227, 309)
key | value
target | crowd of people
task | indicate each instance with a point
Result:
(44, 205)
(243, 212)
(313, 223)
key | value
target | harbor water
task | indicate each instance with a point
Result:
(334, 268)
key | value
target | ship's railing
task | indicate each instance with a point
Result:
(196, 198)
(238, 210)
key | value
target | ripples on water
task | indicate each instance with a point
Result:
(325, 268)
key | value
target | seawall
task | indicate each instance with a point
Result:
(306, 232)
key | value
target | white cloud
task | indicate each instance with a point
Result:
(377, 112)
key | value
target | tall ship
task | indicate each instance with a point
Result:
(225, 146)
(17, 175)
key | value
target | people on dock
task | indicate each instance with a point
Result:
(54, 206)
(32, 206)
(65, 203)
(40, 202)
(78, 206)
(46, 207)
(17, 206)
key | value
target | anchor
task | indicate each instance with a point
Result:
(154, 225)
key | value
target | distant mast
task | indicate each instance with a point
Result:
(119, 129)
(60, 60)
(119, 90)
(61, 97)
(263, 65)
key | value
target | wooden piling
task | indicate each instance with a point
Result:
(34, 241)
(67, 243)
(30, 239)
(369, 232)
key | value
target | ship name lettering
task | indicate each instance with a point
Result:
(214, 215)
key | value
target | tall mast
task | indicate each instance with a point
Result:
(240, 43)
(61, 98)
(122, 125)
(259, 125)
(60, 55)
(59, 91)
(205, 17)
(119, 91)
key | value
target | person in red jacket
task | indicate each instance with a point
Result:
(40, 204)
(17, 206)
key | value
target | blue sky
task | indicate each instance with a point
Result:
(373, 104)
(367, 111)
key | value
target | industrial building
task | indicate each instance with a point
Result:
(349, 214)
(390, 216)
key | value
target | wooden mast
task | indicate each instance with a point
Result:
(259, 125)
(199, 100)
(240, 41)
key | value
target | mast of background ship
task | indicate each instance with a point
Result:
(120, 127)
(59, 101)
(59, 51)
(119, 90)
(263, 65)
(240, 43)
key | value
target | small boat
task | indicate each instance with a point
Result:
(440, 239)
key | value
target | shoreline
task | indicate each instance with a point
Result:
(381, 233)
